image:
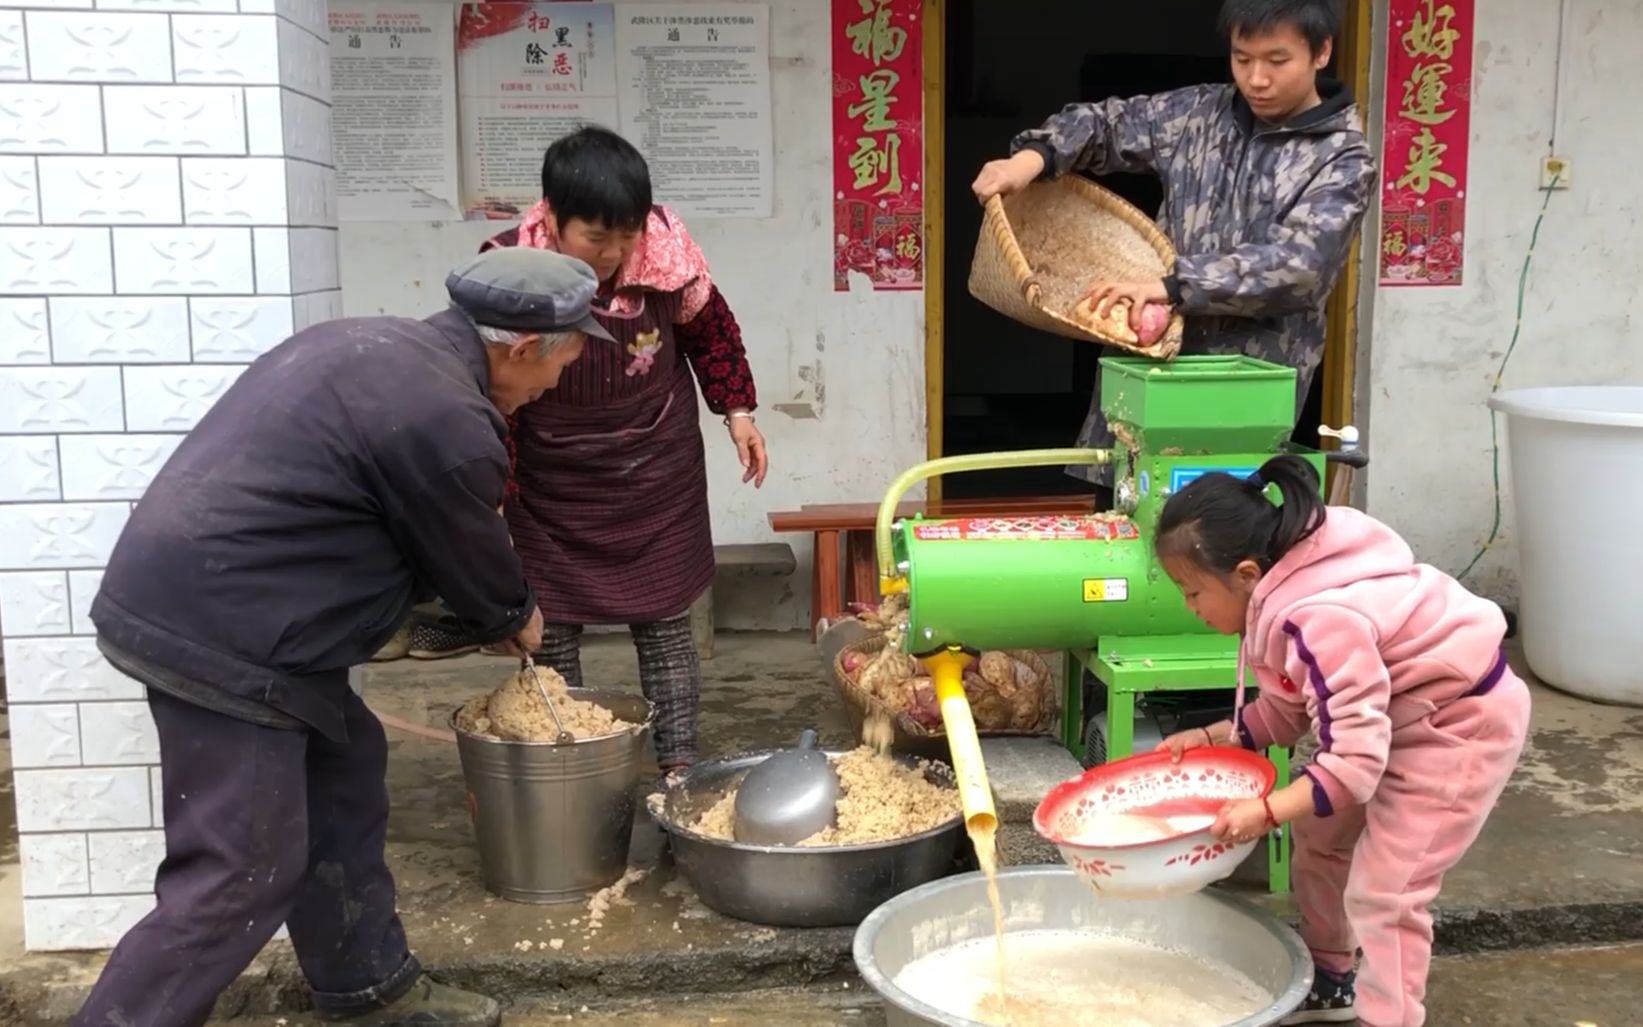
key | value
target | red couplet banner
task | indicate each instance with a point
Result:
(1428, 124)
(878, 143)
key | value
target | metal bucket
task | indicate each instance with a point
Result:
(553, 822)
(945, 913)
(795, 886)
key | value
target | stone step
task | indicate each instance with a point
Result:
(1022, 771)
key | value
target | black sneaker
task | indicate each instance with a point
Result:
(431, 1004)
(440, 640)
(1330, 1001)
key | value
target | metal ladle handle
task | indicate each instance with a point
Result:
(528, 666)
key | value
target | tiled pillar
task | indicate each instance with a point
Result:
(167, 213)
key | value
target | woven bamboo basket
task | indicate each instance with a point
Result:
(1041, 248)
(913, 738)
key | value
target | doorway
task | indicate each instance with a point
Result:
(1005, 65)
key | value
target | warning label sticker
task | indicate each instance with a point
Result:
(1106, 590)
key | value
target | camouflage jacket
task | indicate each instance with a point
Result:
(1261, 216)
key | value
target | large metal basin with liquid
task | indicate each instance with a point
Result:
(949, 912)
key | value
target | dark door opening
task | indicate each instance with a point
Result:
(1009, 65)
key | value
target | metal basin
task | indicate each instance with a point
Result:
(799, 886)
(945, 913)
(553, 822)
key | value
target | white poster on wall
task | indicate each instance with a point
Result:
(527, 73)
(695, 99)
(393, 111)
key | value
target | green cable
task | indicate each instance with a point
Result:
(1517, 330)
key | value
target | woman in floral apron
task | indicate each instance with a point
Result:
(608, 506)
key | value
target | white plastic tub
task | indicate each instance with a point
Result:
(1577, 481)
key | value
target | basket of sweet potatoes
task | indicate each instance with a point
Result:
(1042, 247)
(1010, 693)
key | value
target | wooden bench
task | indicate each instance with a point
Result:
(845, 530)
(765, 559)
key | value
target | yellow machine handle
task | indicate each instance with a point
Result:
(889, 580)
(946, 669)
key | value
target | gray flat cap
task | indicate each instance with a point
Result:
(523, 289)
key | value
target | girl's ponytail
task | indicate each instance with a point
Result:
(1303, 509)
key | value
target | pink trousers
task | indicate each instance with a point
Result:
(1366, 876)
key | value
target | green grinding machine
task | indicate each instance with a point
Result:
(1089, 585)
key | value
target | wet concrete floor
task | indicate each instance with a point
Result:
(1561, 861)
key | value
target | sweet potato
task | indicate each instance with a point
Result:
(1116, 323)
(1026, 706)
(990, 709)
(924, 708)
(998, 670)
(1025, 676)
(1154, 321)
(994, 712)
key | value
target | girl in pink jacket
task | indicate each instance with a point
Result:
(1398, 670)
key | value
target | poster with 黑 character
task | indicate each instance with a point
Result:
(527, 73)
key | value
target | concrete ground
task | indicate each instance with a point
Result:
(1558, 865)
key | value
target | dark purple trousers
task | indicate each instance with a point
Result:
(263, 826)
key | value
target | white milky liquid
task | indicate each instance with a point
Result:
(1103, 829)
(1082, 979)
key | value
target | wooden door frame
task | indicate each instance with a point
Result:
(1341, 332)
(935, 228)
(1341, 338)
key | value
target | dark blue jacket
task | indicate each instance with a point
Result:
(351, 470)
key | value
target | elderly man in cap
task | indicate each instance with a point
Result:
(354, 468)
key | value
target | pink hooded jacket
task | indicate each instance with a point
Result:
(1349, 635)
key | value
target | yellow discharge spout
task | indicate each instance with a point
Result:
(975, 793)
(889, 580)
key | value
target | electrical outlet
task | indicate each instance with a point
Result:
(1554, 173)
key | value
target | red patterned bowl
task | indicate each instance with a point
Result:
(1173, 851)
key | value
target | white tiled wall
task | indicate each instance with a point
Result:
(167, 214)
